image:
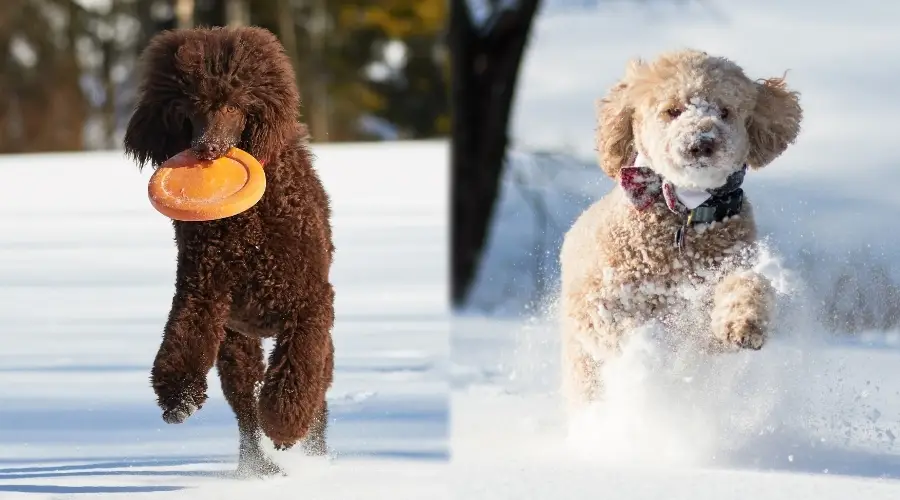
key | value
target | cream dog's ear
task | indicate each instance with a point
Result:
(615, 116)
(615, 136)
(774, 123)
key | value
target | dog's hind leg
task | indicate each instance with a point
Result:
(241, 367)
(315, 443)
(299, 372)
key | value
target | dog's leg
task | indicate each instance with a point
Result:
(299, 372)
(241, 368)
(743, 303)
(580, 376)
(592, 328)
(193, 332)
(315, 443)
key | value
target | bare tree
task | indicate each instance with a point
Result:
(487, 40)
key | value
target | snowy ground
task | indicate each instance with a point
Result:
(86, 270)
(812, 415)
(800, 419)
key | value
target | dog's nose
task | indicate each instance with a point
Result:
(703, 148)
(209, 150)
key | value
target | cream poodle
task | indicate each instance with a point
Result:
(677, 134)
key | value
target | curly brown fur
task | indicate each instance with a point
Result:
(620, 267)
(261, 273)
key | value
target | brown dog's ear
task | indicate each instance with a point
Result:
(275, 124)
(155, 131)
(774, 123)
(615, 136)
(152, 135)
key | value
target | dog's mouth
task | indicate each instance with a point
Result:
(210, 150)
(213, 135)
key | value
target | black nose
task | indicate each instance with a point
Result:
(206, 150)
(703, 148)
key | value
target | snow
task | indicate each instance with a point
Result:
(86, 278)
(816, 412)
(802, 418)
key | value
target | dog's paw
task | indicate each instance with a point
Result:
(314, 447)
(281, 416)
(284, 445)
(257, 466)
(179, 413)
(742, 334)
(179, 408)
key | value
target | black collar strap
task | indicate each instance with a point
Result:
(717, 208)
(725, 201)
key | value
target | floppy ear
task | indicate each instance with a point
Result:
(774, 123)
(153, 135)
(274, 124)
(157, 130)
(615, 136)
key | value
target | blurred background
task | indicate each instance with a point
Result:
(823, 207)
(367, 69)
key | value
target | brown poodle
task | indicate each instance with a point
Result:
(261, 273)
(677, 135)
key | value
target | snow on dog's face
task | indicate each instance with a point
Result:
(695, 139)
(695, 119)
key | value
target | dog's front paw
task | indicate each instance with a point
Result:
(181, 404)
(742, 334)
(179, 412)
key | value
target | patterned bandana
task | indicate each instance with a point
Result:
(644, 186)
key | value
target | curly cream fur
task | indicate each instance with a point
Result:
(620, 267)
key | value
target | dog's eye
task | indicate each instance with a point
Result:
(230, 109)
(725, 113)
(673, 112)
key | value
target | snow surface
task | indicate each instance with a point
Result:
(808, 416)
(86, 279)
(811, 415)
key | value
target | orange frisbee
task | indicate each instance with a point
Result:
(187, 188)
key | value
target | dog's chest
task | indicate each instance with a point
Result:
(648, 253)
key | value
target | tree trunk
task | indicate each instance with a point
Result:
(143, 12)
(108, 52)
(287, 31)
(184, 13)
(319, 112)
(237, 13)
(485, 64)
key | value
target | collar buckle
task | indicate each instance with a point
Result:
(717, 208)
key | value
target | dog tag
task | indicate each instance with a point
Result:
(679, 238)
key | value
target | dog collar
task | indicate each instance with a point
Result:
(643, 187)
